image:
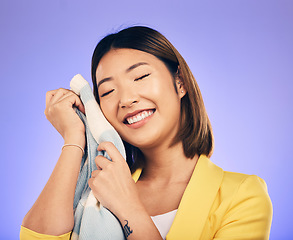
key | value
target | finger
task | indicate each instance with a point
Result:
(90, 182)
(79, 104)
(73, 100)
(49, 95)
(102, 162)
(95, 173)
(112, 151)
(65, 95)
(57, 95)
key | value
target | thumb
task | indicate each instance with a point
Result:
(75, 101)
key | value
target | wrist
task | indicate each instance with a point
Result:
(137, 224)
(73, 145)
(128, 210)
(75, 139)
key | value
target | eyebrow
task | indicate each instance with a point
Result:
(127, 70)
(135, 66)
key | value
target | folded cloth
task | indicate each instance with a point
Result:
(91, 219)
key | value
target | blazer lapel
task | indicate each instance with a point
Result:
(136, 174)
(197, 200)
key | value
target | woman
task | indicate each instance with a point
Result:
(149, 95)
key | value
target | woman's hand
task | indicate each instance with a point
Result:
(115, 189)
(59, 111)
(112, 183)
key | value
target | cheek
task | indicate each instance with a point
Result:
(157, 88)
(165, 92)
(108, 111)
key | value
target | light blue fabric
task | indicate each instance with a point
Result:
(92, 221)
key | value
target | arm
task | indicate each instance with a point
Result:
(250, 213)
(115, 189)
(137, 224)
(52, 213)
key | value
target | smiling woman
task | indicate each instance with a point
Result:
(142, 103)
(194, 131)
(168, 188)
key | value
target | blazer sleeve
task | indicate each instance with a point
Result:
(250, 213)
(27, 234)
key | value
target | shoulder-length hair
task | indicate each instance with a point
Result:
(195, 130)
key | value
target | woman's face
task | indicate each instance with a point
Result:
(137, 96)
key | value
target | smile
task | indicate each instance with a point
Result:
(139, 117)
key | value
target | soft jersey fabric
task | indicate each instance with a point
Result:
(215, 205)
(91, 220)
(164, 221)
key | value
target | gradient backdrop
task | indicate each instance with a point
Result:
(239, 51)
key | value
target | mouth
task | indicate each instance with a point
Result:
(129, 120)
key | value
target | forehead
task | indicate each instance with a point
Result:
(120, 59)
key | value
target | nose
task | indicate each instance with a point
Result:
(128, 98)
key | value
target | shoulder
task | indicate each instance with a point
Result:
(229, 183)
(243, 186)
(242, 205)
(232, 184)
(237, 181)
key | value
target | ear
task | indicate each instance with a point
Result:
(180, 85)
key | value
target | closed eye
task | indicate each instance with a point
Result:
(106, 93)
(143, 76)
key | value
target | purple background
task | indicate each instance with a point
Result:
(239, 51)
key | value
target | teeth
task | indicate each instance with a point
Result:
(140, 116)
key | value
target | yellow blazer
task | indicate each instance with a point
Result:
(215, 205)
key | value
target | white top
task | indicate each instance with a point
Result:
(164, 221)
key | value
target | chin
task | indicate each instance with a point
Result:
(146, 141)
(140, 143)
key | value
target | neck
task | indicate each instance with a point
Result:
(168, 164)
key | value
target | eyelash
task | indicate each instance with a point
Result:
(105, 94)
(142, 77)
(146, 75)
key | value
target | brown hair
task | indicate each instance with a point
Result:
(195, 130)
